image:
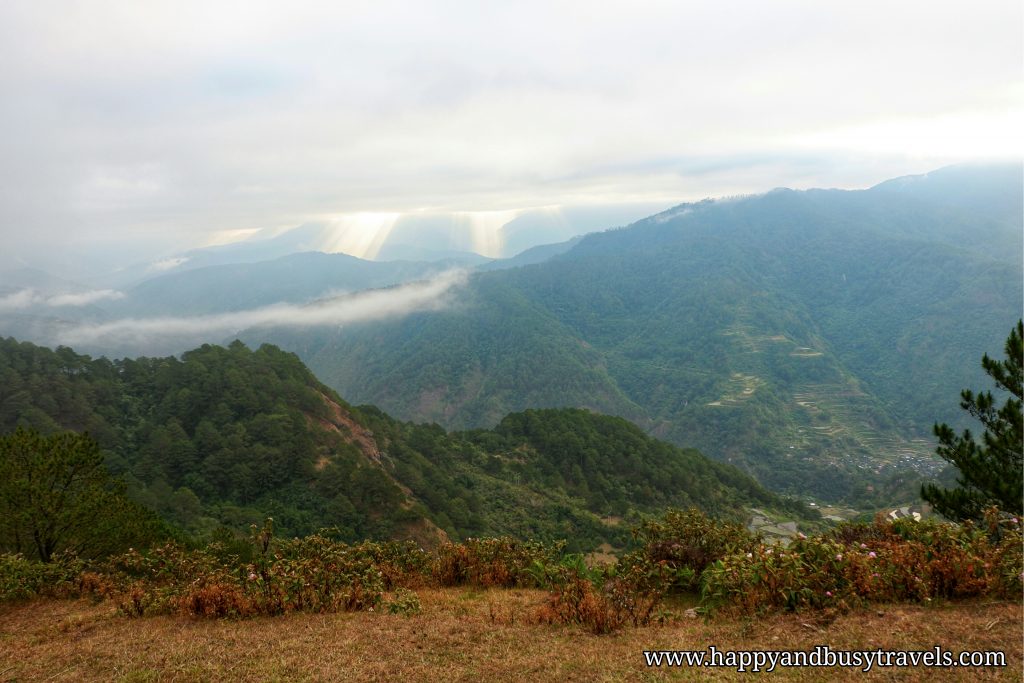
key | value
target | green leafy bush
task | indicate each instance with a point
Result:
(308, 574)
(401, 563)
(314, 574)
(685, 543)
(21, 578)
(403, 602)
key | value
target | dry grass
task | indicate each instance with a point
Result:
(466, 634)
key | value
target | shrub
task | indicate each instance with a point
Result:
(308, 574)
(685, 543)
(886, 561)
(218, 599)
(401, 563)
(605, 600)
(486, 562)
(155, 581)
(579, 602)
(403, 602)
(636, 587)
(314, 574)
(21, 578)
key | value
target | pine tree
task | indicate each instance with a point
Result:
(56, 495)
(990, 472)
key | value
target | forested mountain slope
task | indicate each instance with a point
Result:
(810, 337)
(227, 436)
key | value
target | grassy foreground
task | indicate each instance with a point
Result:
(471, 634)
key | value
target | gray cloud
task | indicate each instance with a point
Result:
(84, 298)
(19, 300)
(127, 127)
(27, 298)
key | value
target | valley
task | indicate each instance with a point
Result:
(809, 338)
(451, 341)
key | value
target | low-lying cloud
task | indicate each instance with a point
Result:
(333, 312)
(27, 298)
(167, 264)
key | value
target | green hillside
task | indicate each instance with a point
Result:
(811, 338)
(227, 436)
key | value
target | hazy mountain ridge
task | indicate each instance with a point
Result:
(296, 278)
(812, 337)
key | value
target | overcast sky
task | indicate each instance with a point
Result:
(168, 124)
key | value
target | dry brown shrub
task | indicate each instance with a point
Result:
(215, 600)
(451, 564)
(491, 562)
(579, 602)
(132, 601)
(94, 584)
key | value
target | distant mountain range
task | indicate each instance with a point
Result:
(471, 238)
(811, 337)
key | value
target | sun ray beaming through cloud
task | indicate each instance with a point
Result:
(485, 229)
(358, 234)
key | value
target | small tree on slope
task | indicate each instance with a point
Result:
(56, 495)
